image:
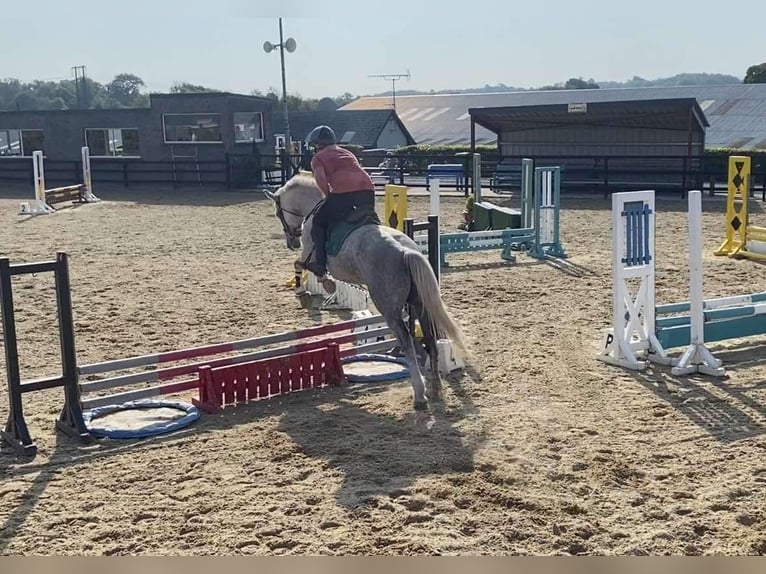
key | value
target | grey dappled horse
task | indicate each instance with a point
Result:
(392, 268)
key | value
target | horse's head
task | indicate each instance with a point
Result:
(293, 202)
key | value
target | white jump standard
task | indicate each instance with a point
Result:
(632, 338)
(46, 198)
(637, 336)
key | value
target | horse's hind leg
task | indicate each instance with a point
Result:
(431, 350)
(429, 339)
(397, 325)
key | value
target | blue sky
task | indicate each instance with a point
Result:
(526, 44)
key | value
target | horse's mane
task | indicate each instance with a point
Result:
(302, 178)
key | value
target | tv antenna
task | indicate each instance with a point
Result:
(394, 78)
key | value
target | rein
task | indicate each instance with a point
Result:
(298, 231)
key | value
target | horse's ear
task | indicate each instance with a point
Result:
(270, 195)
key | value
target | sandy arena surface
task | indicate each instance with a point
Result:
(538, 448)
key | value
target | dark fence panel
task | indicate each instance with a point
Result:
(600, 174)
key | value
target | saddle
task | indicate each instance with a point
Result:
(362, 216)
(338, 232)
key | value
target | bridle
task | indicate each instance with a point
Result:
(292, 232)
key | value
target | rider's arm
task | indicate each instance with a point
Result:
(320, 176)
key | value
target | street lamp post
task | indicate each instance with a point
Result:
(290, 46)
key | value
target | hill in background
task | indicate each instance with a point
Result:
(701, 79)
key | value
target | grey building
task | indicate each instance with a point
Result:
(669, 127)
(365, 128)
(602, 144)
(203, 126)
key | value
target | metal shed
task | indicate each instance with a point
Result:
(673, 127)
(610, 144)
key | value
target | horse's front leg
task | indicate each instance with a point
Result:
(300, 285)
(308, 251)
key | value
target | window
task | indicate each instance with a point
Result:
(112, 142)
(248, 127)
(20, 142)
(192, 128)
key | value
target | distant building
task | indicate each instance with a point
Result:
(669, 127)
(203, 126)
(369, 129)
(736, 113)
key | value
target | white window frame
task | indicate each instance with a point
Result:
(173, 142)
(21, 140)
(251, 140)
(85, 135)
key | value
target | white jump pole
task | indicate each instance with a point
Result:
(433, 188)
(39, 173)
(697, 358)
(86, 170)
(476, 180)
(86, 176)
(527, 192)
(39, 205)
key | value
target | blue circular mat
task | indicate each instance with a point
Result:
(152, 429)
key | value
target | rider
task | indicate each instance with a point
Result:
(346, 187)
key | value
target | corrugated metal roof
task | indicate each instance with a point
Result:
(736, 113)
(362, 127)
(672, 114)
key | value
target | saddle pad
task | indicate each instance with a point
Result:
(339, 232)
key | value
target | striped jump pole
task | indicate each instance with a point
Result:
(721, 319)
(716, 303)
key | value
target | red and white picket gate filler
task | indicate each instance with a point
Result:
(267, 378)
(344, 333)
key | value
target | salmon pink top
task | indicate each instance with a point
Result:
(337, 170)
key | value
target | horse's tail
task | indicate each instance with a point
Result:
(434, 311)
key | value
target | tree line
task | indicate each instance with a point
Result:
(128, 91)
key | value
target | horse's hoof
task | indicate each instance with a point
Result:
(304, 299)
(421, 406)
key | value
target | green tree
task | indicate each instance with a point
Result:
(327, 105)
(9, 89)
(580, 84)
(344, 99)
(755, 74)
(187, 88)
(125, 90)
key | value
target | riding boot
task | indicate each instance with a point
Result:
(318, 266)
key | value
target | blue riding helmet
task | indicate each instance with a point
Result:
(321, 135)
